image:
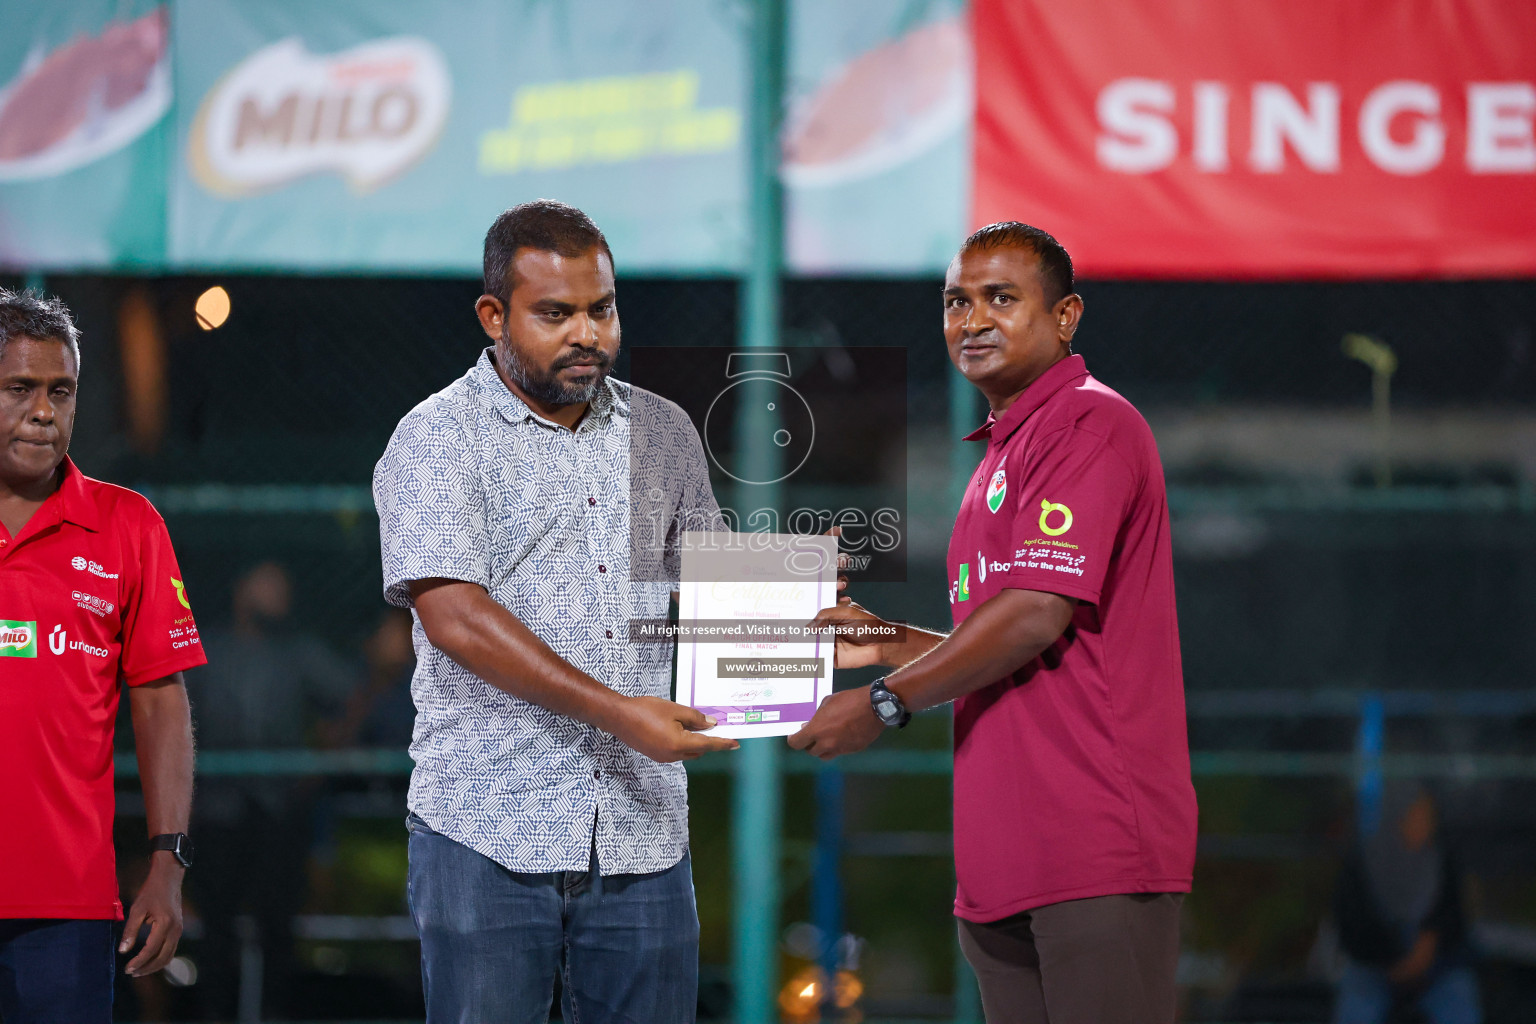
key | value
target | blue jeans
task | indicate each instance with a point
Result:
(625, 947)
(1365, 996)
(56, 972)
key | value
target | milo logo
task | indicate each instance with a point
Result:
(18, 639)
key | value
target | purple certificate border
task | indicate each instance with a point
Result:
(801, 712)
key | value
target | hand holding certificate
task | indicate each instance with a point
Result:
(745, 653)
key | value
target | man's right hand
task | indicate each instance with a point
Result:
(853, 649)
(665, 732)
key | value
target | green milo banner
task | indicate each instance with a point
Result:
(353, 136)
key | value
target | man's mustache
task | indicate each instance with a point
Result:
(582, 355)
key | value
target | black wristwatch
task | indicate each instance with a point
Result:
(178, 843)
(888, 707)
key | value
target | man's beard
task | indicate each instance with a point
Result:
(546, 387)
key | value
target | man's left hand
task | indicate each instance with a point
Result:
(844, 724)
(159, 906)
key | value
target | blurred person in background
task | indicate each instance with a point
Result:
(1074, 812)
(548, 818)
(1401, 920)
(91, 600)
(269, 686)
(380, 713)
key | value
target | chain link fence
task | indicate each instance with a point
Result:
(1326, 553)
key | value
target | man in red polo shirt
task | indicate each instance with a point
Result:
(90, 599)
(1074, 810)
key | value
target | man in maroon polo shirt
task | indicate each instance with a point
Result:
(91, 601)
(1074, 810)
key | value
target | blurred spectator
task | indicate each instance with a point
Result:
(273, 689)
(380, 712)
(1401, 920)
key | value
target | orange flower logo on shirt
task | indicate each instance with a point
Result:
(1045, 519)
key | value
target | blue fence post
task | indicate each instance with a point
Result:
(1368, 750)
(827, 878)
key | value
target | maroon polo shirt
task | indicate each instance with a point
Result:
(1072, 775)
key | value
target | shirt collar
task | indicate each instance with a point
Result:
(608, 400)
(71, 503)
(1068, 371)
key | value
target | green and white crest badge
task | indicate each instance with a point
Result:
(996, 490)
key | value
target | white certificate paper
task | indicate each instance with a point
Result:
(744, 656)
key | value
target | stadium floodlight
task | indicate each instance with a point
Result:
(1378, 355)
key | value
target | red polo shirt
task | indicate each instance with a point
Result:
(90, 597)
(1072, 775)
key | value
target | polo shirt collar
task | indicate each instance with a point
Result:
(70, 503)
(78, 508)
(513, 409)
(1068, 371)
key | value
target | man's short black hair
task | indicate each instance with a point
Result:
(1055, 264)
(29, 315)
(545, 225)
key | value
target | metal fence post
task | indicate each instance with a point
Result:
(1369, 745)
(965, 415)
(757, 810)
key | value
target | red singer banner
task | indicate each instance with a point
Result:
(1262, 138)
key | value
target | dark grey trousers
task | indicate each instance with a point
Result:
(1106, 960)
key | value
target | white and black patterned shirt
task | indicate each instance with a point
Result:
(475, 486)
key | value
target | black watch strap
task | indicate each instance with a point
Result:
(179, 843)
(887, 706)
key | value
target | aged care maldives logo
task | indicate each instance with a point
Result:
(18, 639)
(367, 113)
(1061, 524)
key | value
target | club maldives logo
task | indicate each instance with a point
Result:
(82, 564)
(18, 639)
(996, 490)
(1062, 525)
(366, 113)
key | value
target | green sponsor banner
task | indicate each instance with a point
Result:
(374, 136)
(877, 136)
(85, 95)
(353, 136)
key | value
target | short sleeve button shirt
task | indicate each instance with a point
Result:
(475, 486)
(91, 599)
(1072, 775)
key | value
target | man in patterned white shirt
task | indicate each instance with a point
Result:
(549, 817)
